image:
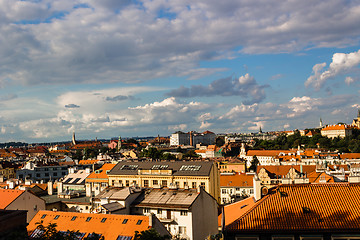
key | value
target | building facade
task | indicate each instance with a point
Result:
(167, 174)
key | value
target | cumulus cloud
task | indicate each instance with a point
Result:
(245, 86)
(82, 41)
(341, 63)
(72, 105)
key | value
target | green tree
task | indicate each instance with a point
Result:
(150, 234)
(254, 164)
(50, 232)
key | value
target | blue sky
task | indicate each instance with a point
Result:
(143, 68)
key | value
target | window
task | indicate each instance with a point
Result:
(193, 185)
(146, 210)
(55, 174)
(103, 220)
(237, 189)
(88, 219)
(177, 184)
(134, 183)
(35, 208)
(283, 238)
(125, 221)
(155, 182)
(38, 175)
(183, 213)
(182, 230)
(159, 211)
(146, 183)
(202, 184)
(56, 217)
(43, 216)
(73, 218)
(46, 174)
(164, 183)
(113, 182)
(311, 238)
(185, 184)
(63, 173)
(139, 222)
(127, 183)
(223, 191)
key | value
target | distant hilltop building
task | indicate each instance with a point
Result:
(192, 138)
(338, 130)
(356, 121)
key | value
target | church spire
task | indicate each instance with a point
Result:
(73, 138)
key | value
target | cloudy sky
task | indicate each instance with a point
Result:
(147, 67)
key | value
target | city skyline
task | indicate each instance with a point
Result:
(143, 68)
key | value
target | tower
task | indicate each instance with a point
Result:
(321, 123)
(73, 139)
(119, 143)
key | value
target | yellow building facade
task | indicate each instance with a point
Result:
(167, 174)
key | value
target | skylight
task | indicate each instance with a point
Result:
(190, 168)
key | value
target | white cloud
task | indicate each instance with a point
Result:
(341, 63)
(82, 41)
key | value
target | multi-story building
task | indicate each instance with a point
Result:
(235, 186)
(21, 200)
(98, 180)
(165, 174)
(45, 173)
(187, 213)
(339, 130)
(192, 138)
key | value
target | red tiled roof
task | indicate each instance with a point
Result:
(319, 177)
(304, 207)
(7, 196)
(350, 155)
(336, 127)
(100, 175)
(236, 180)
(268, 152)
(284, 169)
(110, 228)
(234, 210)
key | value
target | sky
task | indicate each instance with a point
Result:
(130, 68)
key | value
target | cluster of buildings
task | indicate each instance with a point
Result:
(297, 194)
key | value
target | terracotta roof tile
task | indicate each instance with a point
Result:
(110, 228)
(100, 174)
(236, 209)
(7, 196)
(236, 180)
(304, 207)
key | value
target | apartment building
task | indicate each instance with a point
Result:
(167, 174)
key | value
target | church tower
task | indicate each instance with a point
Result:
(119, 144)
(73, 138)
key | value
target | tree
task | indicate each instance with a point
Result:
(150, 234)
(51, 233)
(254, 163)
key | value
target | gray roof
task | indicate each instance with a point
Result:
(174, 198)
(179, 168)
(112, 206)
(114, 193)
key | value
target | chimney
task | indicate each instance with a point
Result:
(50, 188)
(59, 187)
(257, 187)
(191, 138)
